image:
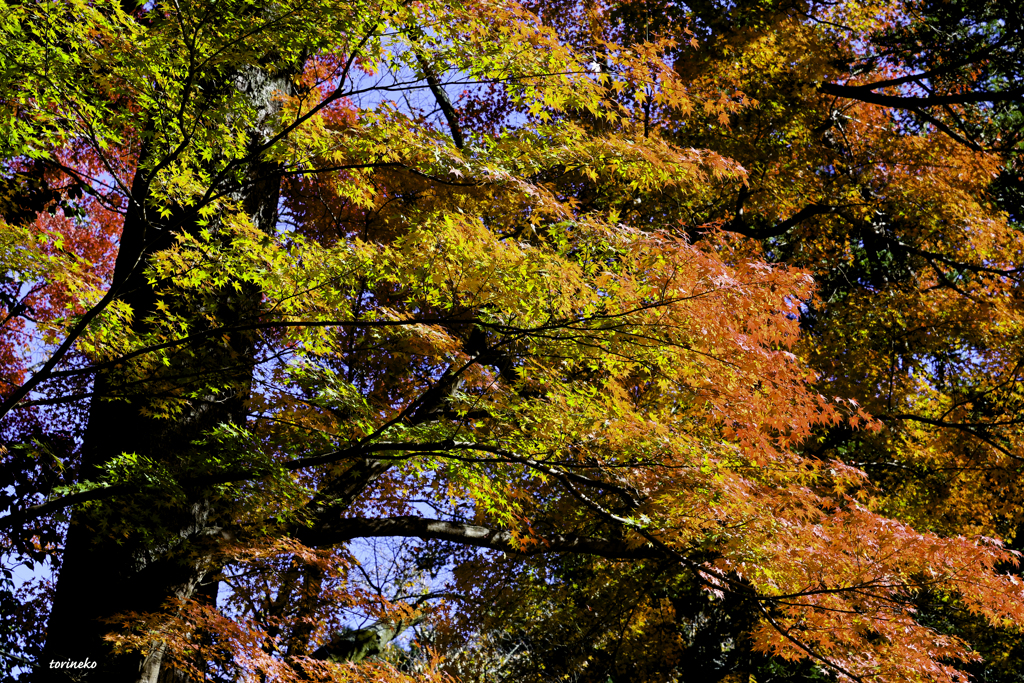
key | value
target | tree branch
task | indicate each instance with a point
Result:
(438, 90)
(357, 645)
(739, 226)
(345, 529)
(867, 93)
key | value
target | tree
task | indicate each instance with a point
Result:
(896, 214)
(334, 317)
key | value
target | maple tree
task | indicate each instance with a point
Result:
(890, 202)
(562, 332)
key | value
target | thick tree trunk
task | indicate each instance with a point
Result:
(100, 575)
(114, 562)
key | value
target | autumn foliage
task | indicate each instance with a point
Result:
(491, 341)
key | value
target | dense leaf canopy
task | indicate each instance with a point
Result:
(379, 341)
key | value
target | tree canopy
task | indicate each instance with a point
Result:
(473, 341)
